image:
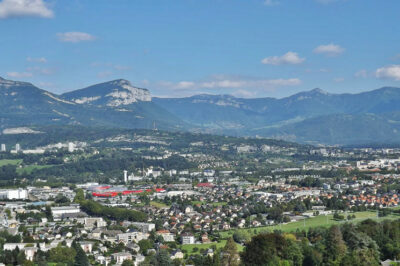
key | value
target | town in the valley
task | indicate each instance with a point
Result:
(128, 199)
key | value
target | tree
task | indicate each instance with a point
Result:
(21, 257)
(127, 263)
(8, 213)
(312, 256)
(28, 263)
(61, 199)
(49, 214)
(241, 236)
(230, 253)
(264, 248)
(62, 254)
(80, 259)
(335, 246)
(145, 245)
(79, 196)
(293, 253)
(162, 258)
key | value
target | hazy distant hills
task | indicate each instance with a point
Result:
(313, 116)
(310, 117)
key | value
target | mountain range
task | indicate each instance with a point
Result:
(111, 104)
(315, 116)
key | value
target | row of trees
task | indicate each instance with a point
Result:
(120, 214)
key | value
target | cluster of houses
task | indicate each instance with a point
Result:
(69, 223)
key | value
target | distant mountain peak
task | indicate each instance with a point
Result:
(8, 83)
(113, 93)
(308, 94)
(318, 91)
(118, 82)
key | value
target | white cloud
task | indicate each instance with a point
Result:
(19, 74)
(121, 67)
(185, 85)
(361, 74)
(290, 58)
(36, 60)
(75, 37)
(339, 79)
(237, 85)
(271, 3)
(24, 8)
(221, 82)
(244, 94)
(110, 66)
(40, 70)
(329, 49)
(389, 72)
(321, 70)
(104, 74)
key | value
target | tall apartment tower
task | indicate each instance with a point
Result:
(125, 176)
(3, 148)
(17, 147)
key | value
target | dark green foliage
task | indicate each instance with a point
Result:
(127, 263)
(62, 254)
(8, 172)
(61, 199)
(80, 259)
(264, 248)
(120, 214)
(145, 244)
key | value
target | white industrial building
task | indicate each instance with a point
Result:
(14, 194)
(35, 151)
(144, 227)
(59, 211)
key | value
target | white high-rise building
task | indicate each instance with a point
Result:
(125, 176)
(3, 147)
(71, 147)
(17, 147)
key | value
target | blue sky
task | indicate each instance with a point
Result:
(176, 48)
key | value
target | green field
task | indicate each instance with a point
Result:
(26, 169)
(158, 204)
(318, 221)
(29, 168)
(13, 162)
(189, 247)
